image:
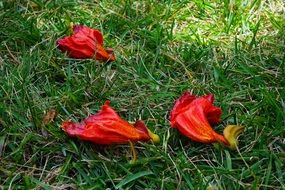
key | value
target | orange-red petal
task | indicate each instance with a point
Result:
(85, 43)
(106, 127)
(192, 116)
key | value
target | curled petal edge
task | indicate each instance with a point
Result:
(231, 133)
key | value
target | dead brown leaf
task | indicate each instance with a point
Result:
(49, 116)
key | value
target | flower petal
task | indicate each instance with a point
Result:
(81, 30)
(85, 43)
(181, 105)
(231, 133)
(79, 48)
(192, 116)
(102, 54)
(194, 124)
(106, 127)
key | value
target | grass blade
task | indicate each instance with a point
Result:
(132, 177)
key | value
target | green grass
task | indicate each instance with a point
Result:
(233, 49)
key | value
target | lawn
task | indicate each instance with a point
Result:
(233, 49)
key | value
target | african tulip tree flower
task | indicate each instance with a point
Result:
(193, 117)
(85, 43)
(106, 127)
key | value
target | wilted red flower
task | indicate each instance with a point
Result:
(106, 127)
(85, 43)
(192, 116)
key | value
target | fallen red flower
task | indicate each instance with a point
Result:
(85, 43)
(192, 116)
(106, 127)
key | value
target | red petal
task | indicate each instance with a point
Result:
(180, 106)
(193, 116)
(72, 129)
(85, 43)
(79, 47)
(86, 31)
(106, 127)
(210, 98)
(213, 113)
(102, 54)
(106, 112)
(140, 126)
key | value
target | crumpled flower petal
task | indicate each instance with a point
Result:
(85, 43)
(193, 117)
(231, 133)
(106, 127)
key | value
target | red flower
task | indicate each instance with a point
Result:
(106, 127)
(192, 116)
(85, 43)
